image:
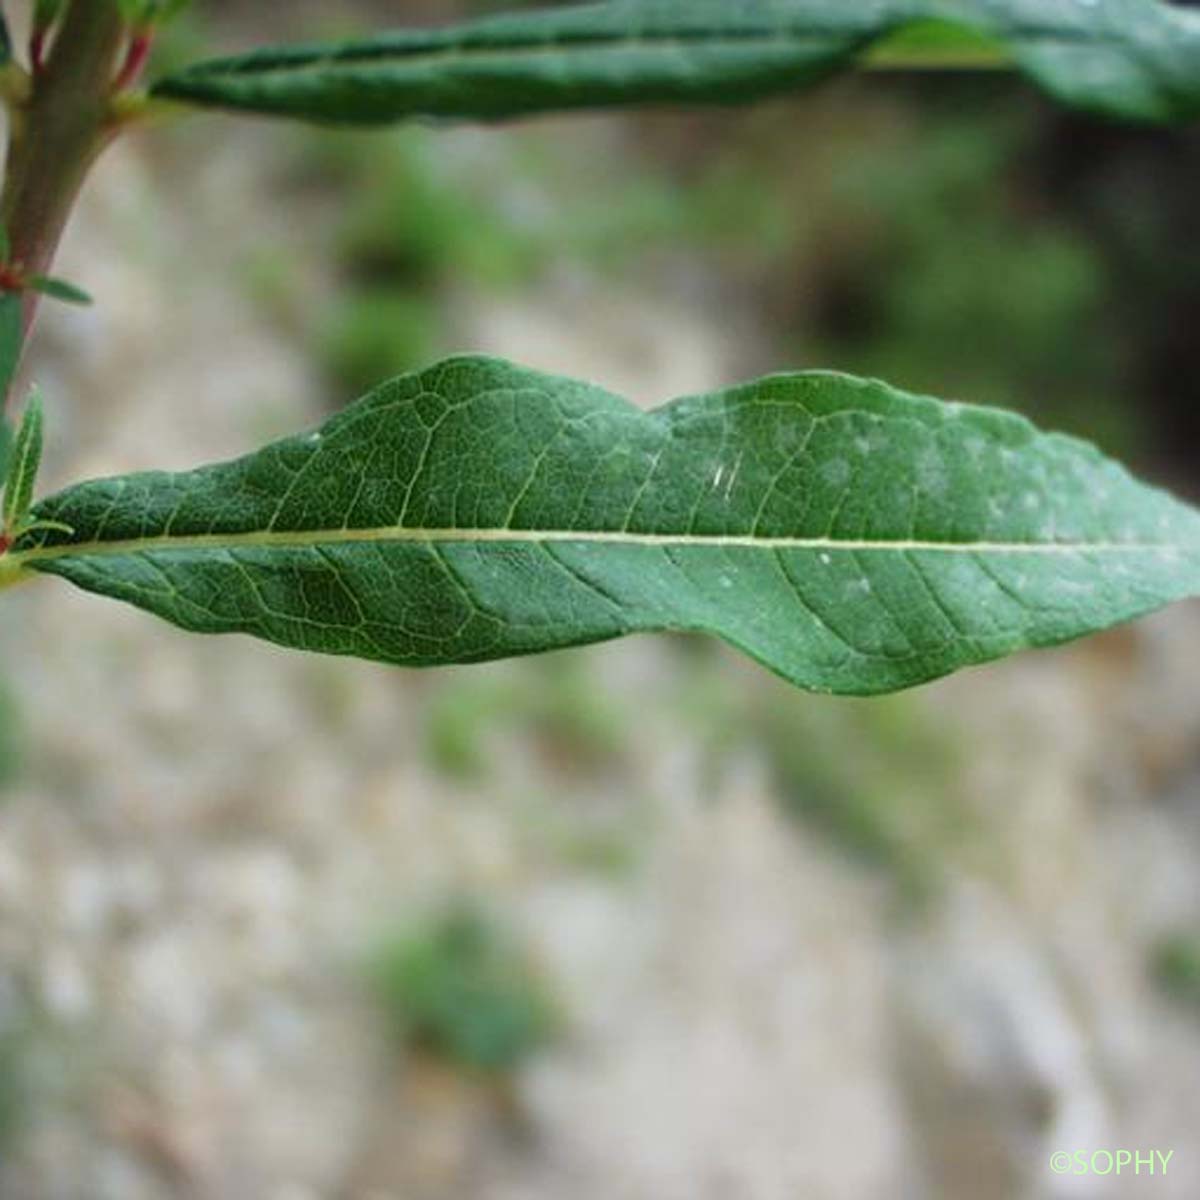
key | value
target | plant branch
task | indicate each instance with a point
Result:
(57, 134)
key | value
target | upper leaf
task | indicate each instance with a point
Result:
(851, 537)
(59, 289)
(1137, 59)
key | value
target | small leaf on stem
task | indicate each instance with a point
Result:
(23, 468)
(59, 289)
(5, 448)
(10, 339)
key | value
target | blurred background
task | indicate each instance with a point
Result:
(637, 922)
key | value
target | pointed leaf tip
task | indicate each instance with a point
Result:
(59, 289)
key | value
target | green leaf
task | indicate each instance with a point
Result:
(59, 289)
(46, 12)
(1135, 59)
(5, 448)
(144, 13)
(849, 536)
(23, 468)
(10, 338)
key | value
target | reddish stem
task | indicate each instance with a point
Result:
(135, 59)
(62, 128)
(37, 50)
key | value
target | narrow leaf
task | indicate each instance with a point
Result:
(849, 536)
(1135, 59)
(26, 458)
(10, 338)
(5, 448)
(59, 289)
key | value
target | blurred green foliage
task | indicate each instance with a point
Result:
(180, 41)
(460, 988)
(151, 12)
(904, 227)
(13, 1088)
(1176, 967)
(416, 227)
(411, 222)
(879, 779)
(369, 336)
(919, 251)
(26, 1053)
(955, 280)
(553, 702)
(406, 232)
(10, 737)
(612, 852)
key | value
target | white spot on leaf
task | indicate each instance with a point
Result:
(836, 472)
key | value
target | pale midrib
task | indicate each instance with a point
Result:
(834, 36)
(420, 57)
(402, 534)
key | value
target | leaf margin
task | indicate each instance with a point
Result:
(1136, 60)
(51, 552)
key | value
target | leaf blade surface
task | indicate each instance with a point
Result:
(849, 536)
(1133, 59)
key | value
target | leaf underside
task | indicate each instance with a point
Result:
(851, 537)
(1133, 59)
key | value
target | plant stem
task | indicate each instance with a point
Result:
(57, 135)
(11, 572)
